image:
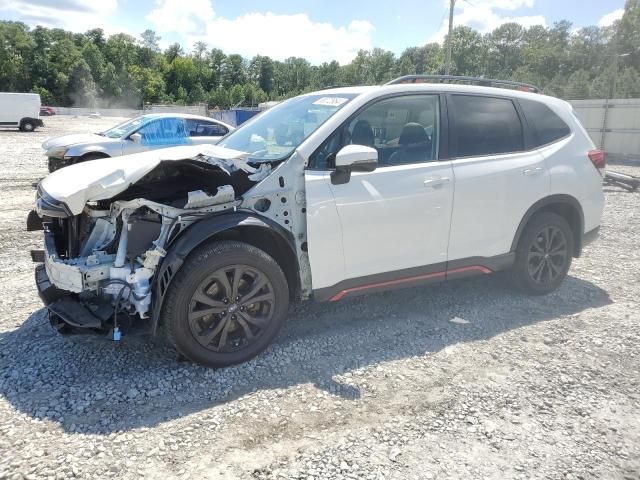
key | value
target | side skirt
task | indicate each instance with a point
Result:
(411, 277)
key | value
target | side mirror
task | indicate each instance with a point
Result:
(353, 158)
(136, 137)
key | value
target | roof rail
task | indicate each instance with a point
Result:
(485, 82)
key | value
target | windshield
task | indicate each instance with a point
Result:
(126, 128)
(277, 132)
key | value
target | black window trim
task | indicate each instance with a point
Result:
(534, 131)
(211, 122)
(527, 140)
(443, 134)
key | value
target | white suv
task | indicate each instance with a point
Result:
(327, 195)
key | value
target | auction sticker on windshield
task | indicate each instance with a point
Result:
(331, 101)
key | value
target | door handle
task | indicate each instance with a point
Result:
(530, 172)
(436, 182)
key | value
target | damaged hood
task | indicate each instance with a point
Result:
(102, 179)
(74, 139)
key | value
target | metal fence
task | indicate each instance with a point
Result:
(614, 125)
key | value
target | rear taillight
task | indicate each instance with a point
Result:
(599, 159)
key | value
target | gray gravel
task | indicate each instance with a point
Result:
(467, 380)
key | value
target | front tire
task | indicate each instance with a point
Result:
(544, 254)
(226, 304)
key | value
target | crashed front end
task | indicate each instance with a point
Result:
(107, 225)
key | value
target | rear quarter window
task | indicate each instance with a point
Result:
(547, 126)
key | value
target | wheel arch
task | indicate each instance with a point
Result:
(567, 207)
(246, 227)
(99, 153)
(36, 122)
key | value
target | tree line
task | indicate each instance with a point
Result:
(91, 69)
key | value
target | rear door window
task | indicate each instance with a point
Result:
(202, 128)
(547, 126)
(486, 126)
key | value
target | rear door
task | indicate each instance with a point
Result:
(497, 176)
(203, 131)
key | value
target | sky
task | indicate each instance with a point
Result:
(318, 30)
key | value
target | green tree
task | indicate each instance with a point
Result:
(15, 56)
(628, 34)
(121, 50)
(197, 94)
(236, 95)
(468, 52)
(233, 71)
(182, 73)
(578, 86)
(174, 51)
(83, 88)
(94, 58)
(111, 87)
(150, 40)
(405, 66)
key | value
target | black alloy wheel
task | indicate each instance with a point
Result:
(226, 303)
(544, 254)
(548, 255)
(231, 308)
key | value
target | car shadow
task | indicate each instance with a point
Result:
(88, 384)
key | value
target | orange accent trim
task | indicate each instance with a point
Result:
(398, 281)
(473, 267)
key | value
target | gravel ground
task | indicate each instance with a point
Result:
(466, 380)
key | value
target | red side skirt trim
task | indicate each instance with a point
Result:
(399, 281)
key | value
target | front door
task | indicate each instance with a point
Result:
(390, 224)
(159, 133)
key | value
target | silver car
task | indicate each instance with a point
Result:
(146, 132)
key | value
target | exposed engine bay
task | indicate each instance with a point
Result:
(104, 258)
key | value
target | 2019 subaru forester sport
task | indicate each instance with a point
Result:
(327, 195)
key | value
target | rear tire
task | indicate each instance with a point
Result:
(27, 126)
(544, 254)
(226, 304)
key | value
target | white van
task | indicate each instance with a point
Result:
(21, 110)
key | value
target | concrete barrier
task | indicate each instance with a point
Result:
(105, 112)
(131, 112)
(190, 109)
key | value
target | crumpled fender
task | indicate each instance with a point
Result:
(196, 235)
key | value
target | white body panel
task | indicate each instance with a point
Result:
(16, 106)
(493, 193)
(571, 171)
(387, 225)
(324, 231)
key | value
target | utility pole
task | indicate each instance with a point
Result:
(452, 4)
